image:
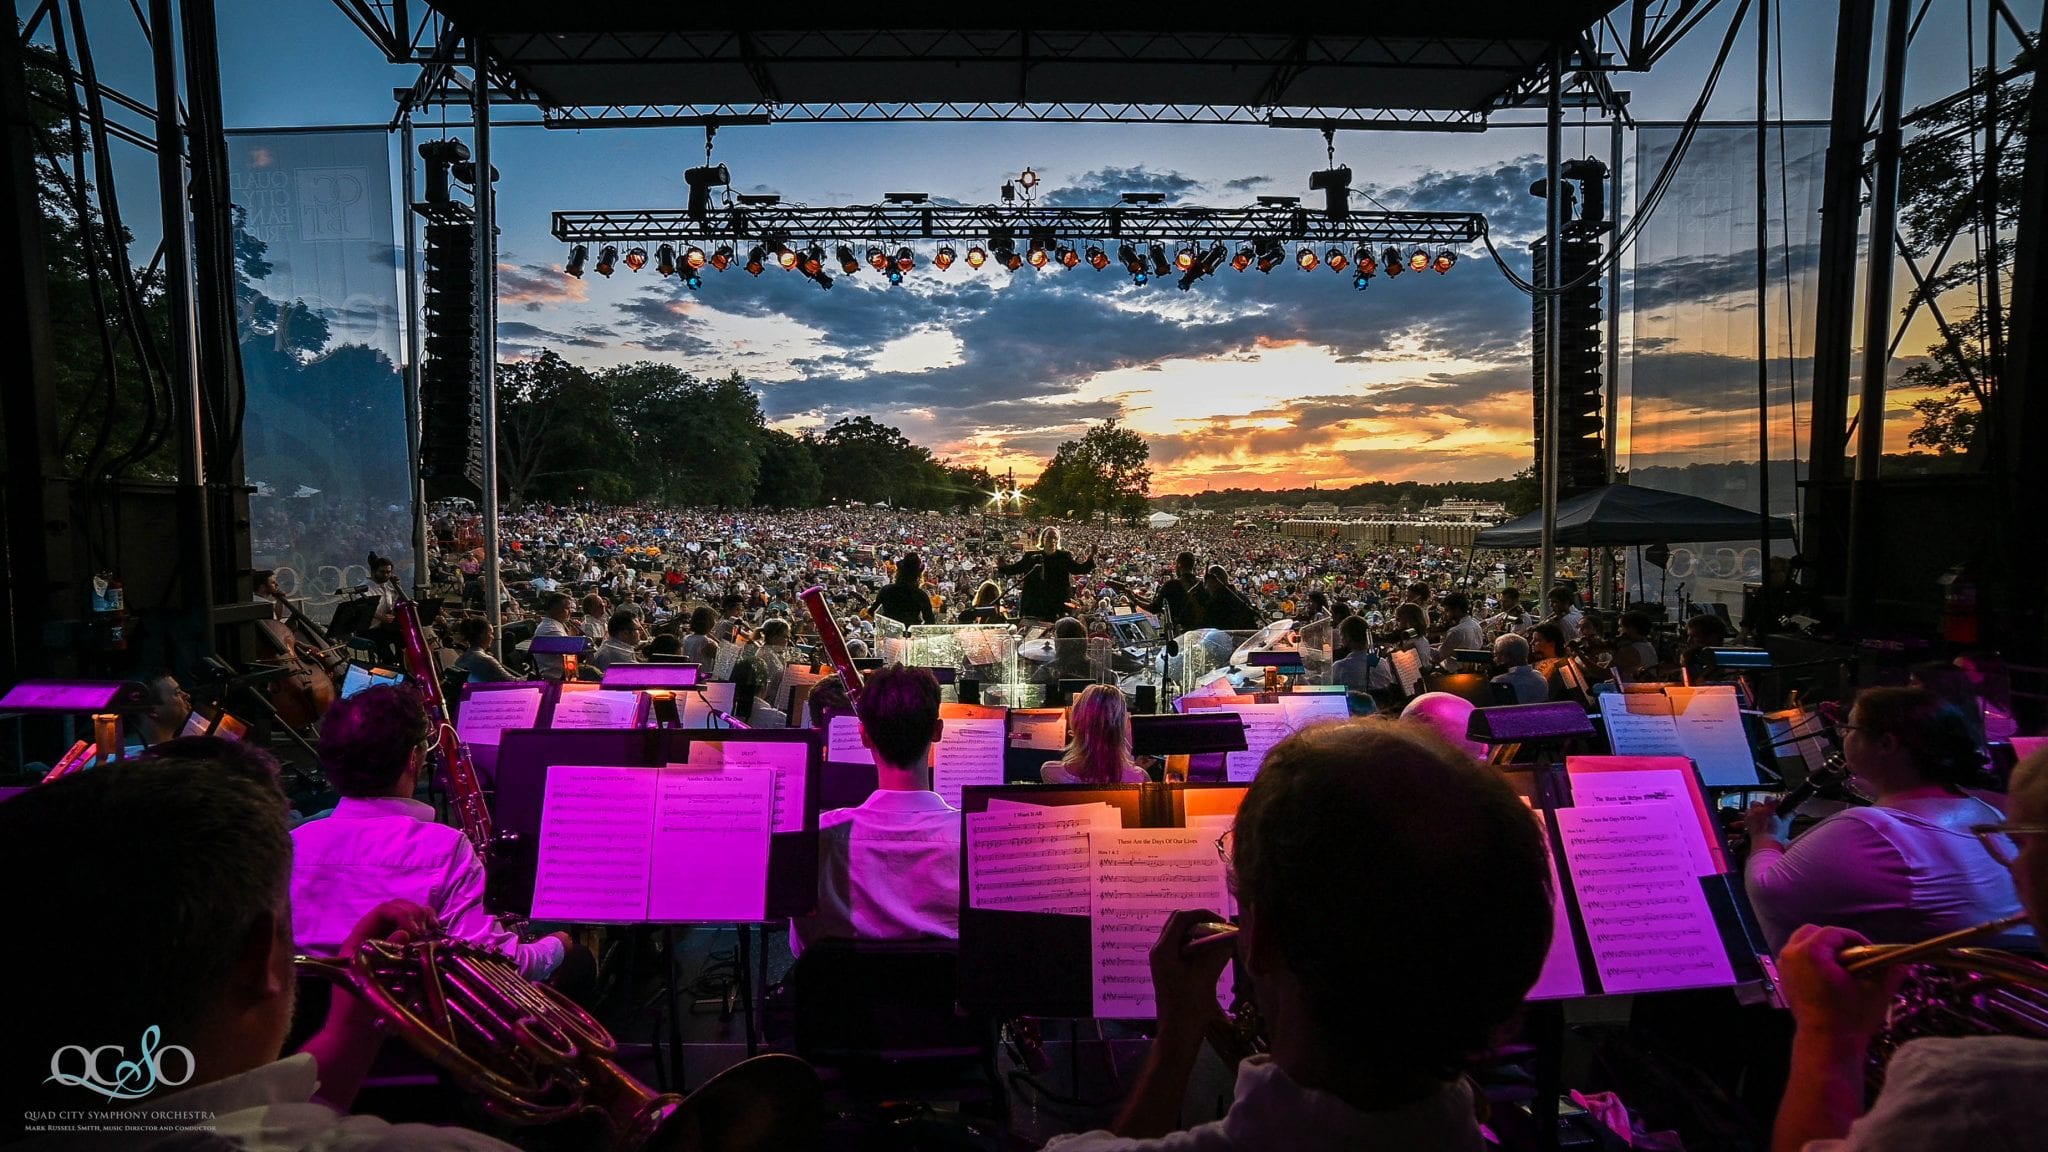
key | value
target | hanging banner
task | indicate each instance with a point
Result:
(324, 433)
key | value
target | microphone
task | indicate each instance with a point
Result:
(360, 590)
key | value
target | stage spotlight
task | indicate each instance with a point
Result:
(757, 260)
(1418, 260)
(814, 261)
(1012, 260)
(895, 275)
(636, 258)
(879, 259)
(1140, 278)
(1131, 260)
(1306, 259)
(1362, 258)
(1203, 265)
(1335, 259)
(943, 258)
(577, 255)
(692, 281)
(607, 259)
(701, 182)
(905, 259)
(1005, 252)
(1390, 259)
(665, 260)
(786, 257)
(1270, 254)
(1361, 278)
(1028, 179)
(1097, 258)
(693, 257)
(1068, 258)
(1039, 257)
(1185, 258)
(1243, 259)
(722, 258)
(1160, 266)
(847, 263)
(1444, 261)
(976, 256)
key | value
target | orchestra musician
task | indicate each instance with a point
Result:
(1098, 742)
(383, 585)
(1222, 606)
(904, 599)
(1174, 602)
(473, 633)
(987, 607)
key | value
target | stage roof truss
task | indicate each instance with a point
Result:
(972, 224)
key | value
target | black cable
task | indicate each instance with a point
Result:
(133, 322)
(81, 209)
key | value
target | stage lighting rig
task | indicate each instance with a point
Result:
(636, 258)
(1391, 261)
(1244, 257)
(1445, 261)
(693, 258)
(905, 259)
(814, 261)
(440, 156)
(847, 263)
(1336, 259)
(1335, 185)
(1097, 258)
(757, 260)
(607, 259)
(1363, 261)
(1185, 258)
(943, 258)
(1270, 253)
(976, 256)
(785, 256)
(1306, 259)
(702, 181)
(1418, 261)
(1203, 265)
(578, 254)
(692, 281)
(878, 259)
(665, 259)
(722, 258)
(1160, 267)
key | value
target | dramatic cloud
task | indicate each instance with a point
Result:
(1103, 186)
(535, 286)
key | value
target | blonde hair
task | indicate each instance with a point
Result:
(1049, 539)
(1100, 747)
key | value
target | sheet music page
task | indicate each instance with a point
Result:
(1646, 918)
(970, 749)
(796, 676)
(1407, 669)
(1709, 723)
(710, 848)
(1304, 709)
(786, 760)
(1798, 733)
(486, 714)
(1137, 878)
(1264, 726)
(1603, 780)
(728, 656)
(597, 710)
(1038, 729)
(697, 706)
(596, 825)
(1561, 977)
(1026, 859)
(1640, 724)
(842, 742)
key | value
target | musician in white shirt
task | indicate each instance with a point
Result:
(889, 869)
(381, 844)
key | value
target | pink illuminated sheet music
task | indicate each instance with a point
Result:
(668, 845)
(1561, 977)
(1661, 780)
(1137, 878)
(787, 760)
(596, 709)
(485, 714)
(596, 825)
(1033, 859)
(842, 742)
(1646, 916)
(711, 845)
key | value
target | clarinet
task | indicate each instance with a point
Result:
(466, 795)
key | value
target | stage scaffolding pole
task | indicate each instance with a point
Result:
(420, 573)
(487, 335)
(1610, 557)
(1553, 361)
(1761, 625)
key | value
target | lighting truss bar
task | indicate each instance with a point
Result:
(892, 221)
(1075, 112)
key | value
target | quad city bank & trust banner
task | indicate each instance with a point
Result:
(324, 432)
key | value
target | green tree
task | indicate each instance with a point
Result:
(1105, 471)
(789, 476)
(698, 442)
(558, 433)
(1940, 196)
(870, 462)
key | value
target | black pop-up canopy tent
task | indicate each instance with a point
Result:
(1619, 515)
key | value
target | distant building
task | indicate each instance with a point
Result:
(1469, 511)
(1316, 508)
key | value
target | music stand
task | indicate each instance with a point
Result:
(351, 617)
(1186, 735)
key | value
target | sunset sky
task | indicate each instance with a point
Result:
(1249, 380)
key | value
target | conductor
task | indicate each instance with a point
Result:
(1048, 573)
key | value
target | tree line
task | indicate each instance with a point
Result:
(651, 431)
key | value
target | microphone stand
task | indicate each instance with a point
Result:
(245, 683)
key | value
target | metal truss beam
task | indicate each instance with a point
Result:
(958, 222)
(696, 115)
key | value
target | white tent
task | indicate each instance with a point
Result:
(1162, 520)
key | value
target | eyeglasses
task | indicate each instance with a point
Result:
(2000, 839)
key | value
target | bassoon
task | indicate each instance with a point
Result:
(833, 640)
(465, 794)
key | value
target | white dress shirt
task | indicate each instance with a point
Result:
(1956, 1094)
(269, 1109)
(1272, 1111)
(887, 870)
(391, 848)
(615, 652)
(548, 664)
(1465, 634)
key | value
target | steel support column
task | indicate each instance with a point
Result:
(1553, 316)
(2023, 400)
(1864, 495)
(487, 335)
(416, 483)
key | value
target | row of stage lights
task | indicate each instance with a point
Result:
(1143, 266)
